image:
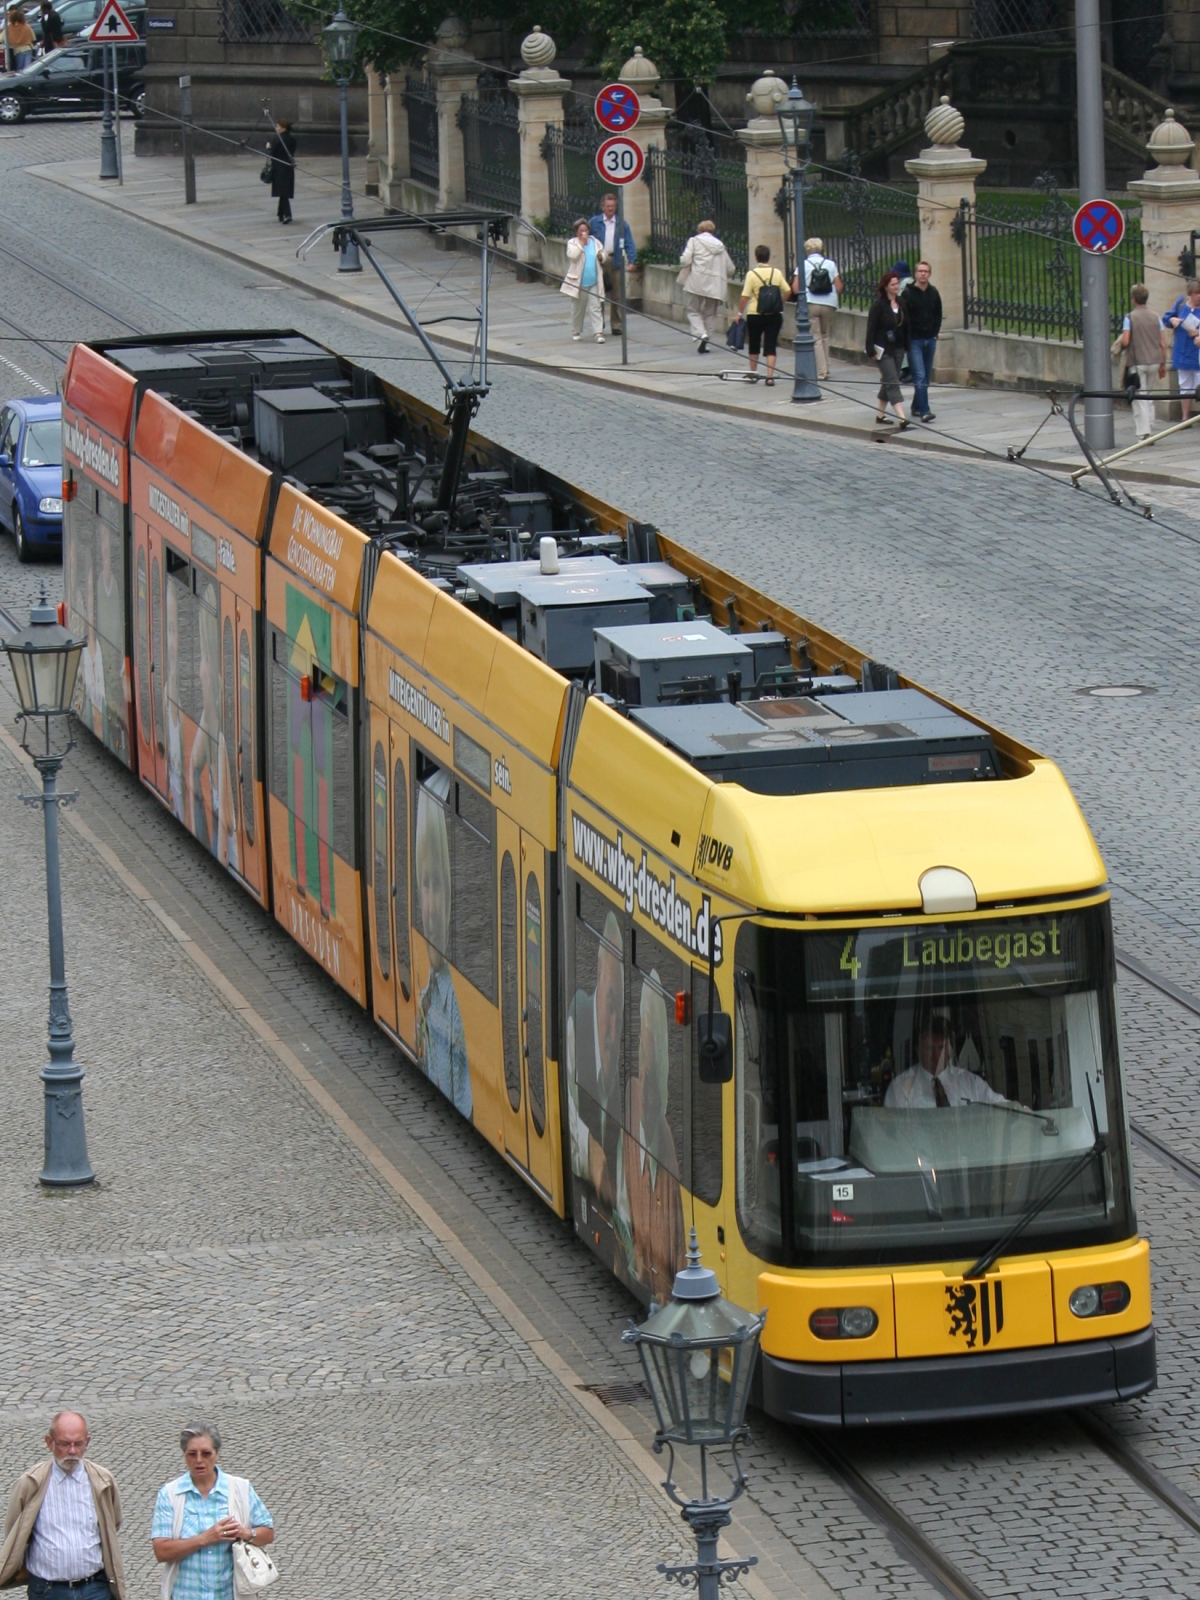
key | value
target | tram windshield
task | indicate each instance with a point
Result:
(909, 1093)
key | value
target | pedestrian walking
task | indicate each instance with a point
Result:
(60, 1537)
(53, 32)
(705, 270)
(886, 344)
(1184, 317)
(1144, 339)
(923, 307)
(582, 283)
(763, 292)
(200, 1516)
(822, 285)
(282, 153)
(613, 236)
(21, 39)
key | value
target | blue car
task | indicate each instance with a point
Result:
(31, 474)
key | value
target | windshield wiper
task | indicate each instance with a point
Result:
(1099, 1145)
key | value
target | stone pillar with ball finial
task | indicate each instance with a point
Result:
(539, 91)
(456, 74)
(766, 168)
(946, 173)
(642, 76)
(1170, 199)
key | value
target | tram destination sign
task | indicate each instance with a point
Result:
(962, 958)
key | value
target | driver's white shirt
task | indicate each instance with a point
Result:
(610, 236)
(914, 1089)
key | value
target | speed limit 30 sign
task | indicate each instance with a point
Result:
(620, 160)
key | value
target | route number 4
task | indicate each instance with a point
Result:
(850, 962)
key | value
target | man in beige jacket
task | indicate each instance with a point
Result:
(60, 1537)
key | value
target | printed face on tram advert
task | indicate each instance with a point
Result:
(94, 579)
(643, 1128)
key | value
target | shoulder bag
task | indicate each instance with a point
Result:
(267, 170)
(253, 1569)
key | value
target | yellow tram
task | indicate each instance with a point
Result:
(699, 915)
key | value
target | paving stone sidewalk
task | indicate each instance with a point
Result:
(239, 1260)
(529, 322)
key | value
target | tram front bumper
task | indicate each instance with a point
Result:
(943, 1388)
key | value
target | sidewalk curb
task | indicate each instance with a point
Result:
(602, 379)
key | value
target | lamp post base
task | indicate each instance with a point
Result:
(349, 262)
(67, 1165)
(708, 1574)
(805, 386)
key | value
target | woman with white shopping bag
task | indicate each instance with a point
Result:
(210, 1528)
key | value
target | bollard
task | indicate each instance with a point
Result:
(185, 134)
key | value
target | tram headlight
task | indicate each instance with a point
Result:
(848, 1322)
(1099, 1299)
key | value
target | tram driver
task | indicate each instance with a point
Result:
(936, 1079)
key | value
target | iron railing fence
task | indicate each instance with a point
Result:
(1020, 263)
(864, 227)
(262, 22)
(420, 101)
(702, 178)
(491, 149)
(569, 152)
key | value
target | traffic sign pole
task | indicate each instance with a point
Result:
(116, 88)
(1093, 273)
(621, 273)
(108, 143)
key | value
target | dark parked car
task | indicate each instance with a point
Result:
(72, 79)
(31, 474)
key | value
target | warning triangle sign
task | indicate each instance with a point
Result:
(112, 26)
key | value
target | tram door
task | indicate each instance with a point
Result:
(512, 1022)
(522, 1001)
(400, 878)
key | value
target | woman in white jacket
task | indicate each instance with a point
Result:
(709, 267)
(584, 282)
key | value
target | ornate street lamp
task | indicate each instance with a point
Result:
(795, 124)
(698, 1354)
(339, 41)
(45, 663)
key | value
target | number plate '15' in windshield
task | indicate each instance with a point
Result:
(907, 1093)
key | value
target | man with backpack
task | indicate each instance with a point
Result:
(822, 284)
(763, 293)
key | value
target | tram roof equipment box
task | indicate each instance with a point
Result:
(806, 744)
(300, 431)
(645, 665)
(559, 614)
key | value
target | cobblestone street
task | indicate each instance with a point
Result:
(385, 1322)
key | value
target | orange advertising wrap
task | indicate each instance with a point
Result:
(199, 508)
(96, 415)
(313, 575)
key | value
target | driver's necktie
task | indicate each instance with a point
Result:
(939, 1092)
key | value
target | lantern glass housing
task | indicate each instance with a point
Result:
(44, 658)
(339, 41)
(698, 1355)
(795, 121)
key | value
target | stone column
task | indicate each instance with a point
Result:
(455, 74)
(1170, 197)
(945, 174)
(650, 133)
(539, 91)
(766, 170)
(398, 165)
(376, 129)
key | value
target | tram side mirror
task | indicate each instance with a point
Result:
(715, 1044)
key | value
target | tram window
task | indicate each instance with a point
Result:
(156, 647)
(533, 1002)
(379, 859)
(596, 1029)
(657, 1055)
(110, 509)
(280, 710)
(473, 892)
(335, 701)
(510, 994)
(707, 1141)
(314, 725)
(400, 878)
(756, 1079)
(143, 645)
(229, 781)
(431, 901)
(246, 725)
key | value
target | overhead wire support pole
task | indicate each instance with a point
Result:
(1093, 267)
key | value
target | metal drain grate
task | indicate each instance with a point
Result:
(618, 1393)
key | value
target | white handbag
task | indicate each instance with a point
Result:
(253, 1569)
